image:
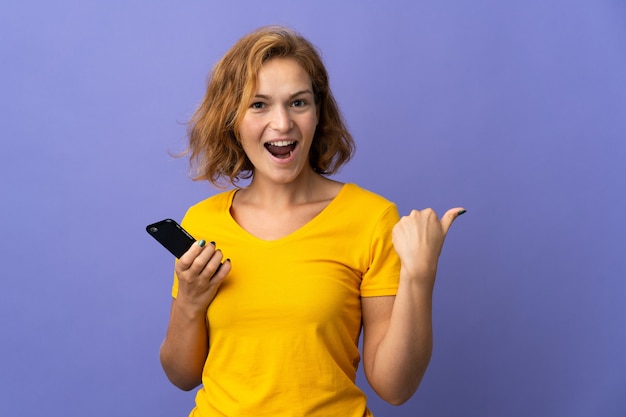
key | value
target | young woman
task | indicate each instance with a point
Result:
(267, 316)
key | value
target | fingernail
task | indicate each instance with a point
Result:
(212, 243)
(461, 212)
(227, 259)
(201, 243)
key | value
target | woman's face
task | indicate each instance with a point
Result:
(278, 126)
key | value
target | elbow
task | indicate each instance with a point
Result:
(397, 401)
(184, 385)
(399, 398)
(182, 382)
(182, 378)
(398, 393)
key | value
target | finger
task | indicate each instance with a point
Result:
(222, 270)
(203, 255)
(185, 261)
(449, 217)
(212, 265)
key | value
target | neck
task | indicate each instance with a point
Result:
(305, 189)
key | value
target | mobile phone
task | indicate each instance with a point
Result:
(172, 236)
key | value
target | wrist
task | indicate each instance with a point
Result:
(419, 277)
(419, 270)
(189, 311)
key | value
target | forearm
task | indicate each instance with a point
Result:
(185, 348)
(399, 345)
(404, 352)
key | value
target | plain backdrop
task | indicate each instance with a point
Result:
(515, 110)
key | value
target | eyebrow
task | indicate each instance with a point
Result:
(296, 94)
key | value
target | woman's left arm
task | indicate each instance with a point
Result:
(397, 331)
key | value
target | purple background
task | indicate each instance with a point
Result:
(516, 110)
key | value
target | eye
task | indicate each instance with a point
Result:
(257, 105)
(299, 103)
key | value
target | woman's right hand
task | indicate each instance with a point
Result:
(200, 272)
(186, 343)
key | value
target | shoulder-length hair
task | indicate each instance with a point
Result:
(214, 143)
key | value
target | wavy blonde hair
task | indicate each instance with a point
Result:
(214, 144)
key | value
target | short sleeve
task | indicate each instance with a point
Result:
(383, 274)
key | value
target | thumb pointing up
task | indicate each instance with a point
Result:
(448, 218)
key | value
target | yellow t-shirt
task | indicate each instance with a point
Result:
(285, 324)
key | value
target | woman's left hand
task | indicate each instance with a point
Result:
(418, 239)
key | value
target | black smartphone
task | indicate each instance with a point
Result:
(172, 236)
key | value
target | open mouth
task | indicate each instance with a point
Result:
(281, 149)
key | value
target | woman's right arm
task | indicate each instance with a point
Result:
(186, 345)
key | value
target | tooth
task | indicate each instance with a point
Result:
(282, 143)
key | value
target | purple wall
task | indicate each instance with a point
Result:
(516, 110)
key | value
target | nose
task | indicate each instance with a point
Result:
(281, 119)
